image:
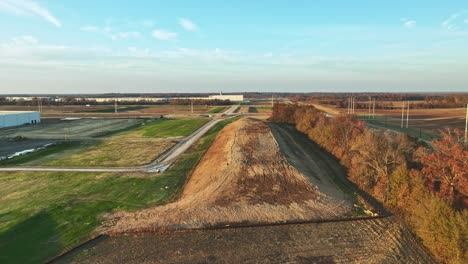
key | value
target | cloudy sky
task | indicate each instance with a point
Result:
(88, 46)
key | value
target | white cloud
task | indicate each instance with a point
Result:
(28, 8)
(109, 32)
(125, 35)
(163, 34)
(449, 22)
(188, 24)
(408, 23)
(455, 22)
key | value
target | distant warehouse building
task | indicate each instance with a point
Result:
(230, 97)
(18, 118)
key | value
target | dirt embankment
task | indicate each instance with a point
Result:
(243, 177)
(365, 241)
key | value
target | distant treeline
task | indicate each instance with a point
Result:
(84, 101)
(417, 101)
(426, 186)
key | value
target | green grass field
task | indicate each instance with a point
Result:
(163, 128)
(43, 214)
(217, 110)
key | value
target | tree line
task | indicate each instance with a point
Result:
(85, 101)
(427, 186)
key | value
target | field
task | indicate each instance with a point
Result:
(164, 128)
(252, 182)
(423, 123)
(47, 213)
(111, 153)
(118, 143)
(106, 111)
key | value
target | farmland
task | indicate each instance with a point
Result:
(423, 123)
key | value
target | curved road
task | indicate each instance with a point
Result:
(162, 162)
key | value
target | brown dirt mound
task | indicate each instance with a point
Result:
(243, 177)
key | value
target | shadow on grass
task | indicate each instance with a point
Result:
(27, 241)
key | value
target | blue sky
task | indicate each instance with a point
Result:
(86, 46)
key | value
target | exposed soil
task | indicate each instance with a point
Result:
(364, 241)
(243, 177)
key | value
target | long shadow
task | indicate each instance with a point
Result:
(341, 172)
(29, 241)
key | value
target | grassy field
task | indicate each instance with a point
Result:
(114, 153)
(217, 110)
(164, 128)
(422, 133)
(43, 214)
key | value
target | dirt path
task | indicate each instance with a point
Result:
(243, 177)
(315, 163)
(365, 241)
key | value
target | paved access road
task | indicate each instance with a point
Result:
(162, 163)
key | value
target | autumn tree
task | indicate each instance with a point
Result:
(445, 167)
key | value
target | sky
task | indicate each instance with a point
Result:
(105, 46)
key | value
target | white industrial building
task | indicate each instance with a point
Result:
(18, 118)
(230, 97)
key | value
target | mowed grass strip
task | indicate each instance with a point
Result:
(114, 153)
(164, 128)
(44, 214)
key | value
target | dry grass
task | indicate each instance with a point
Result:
(115, 153)
(242, 177)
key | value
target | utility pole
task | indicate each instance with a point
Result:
(466, 124)
(115, 105)
(191, 106)
(370, 104)
(272, 102)
(373, 109)
(407, 116)
(349, 103)
(402, 113)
